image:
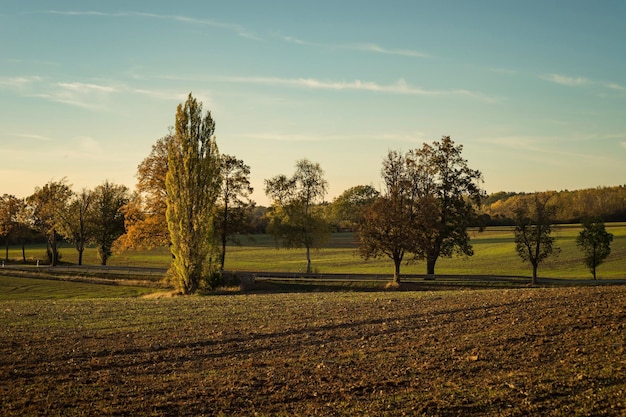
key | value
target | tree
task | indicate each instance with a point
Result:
(74, 224)
(193, 183)
(106, 217)
(144, 215)
(534, 216)
(432, 199)
(10, 207)
(449, 195)
(388, 226)
(47, 204)
(383, 231)
(347, 209)
(595, 243)
(294, 218)
(234, 202)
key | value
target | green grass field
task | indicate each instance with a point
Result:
(20, 288)
(494, 254)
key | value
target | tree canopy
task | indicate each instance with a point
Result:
(234, 203)
(595, 243)
(295, 221)
(193, 183)
(144, 214)
(534, 217)
(431, 198)
(47, 205)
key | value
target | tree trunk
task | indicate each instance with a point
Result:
(308, 260)
(23, 252)
(223, 254)
(534, 279)
(6, 255)
(430, 266)
(80, 257)
(594, 272)
(53, 249)
(396, 271)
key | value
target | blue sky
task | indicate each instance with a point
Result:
(535, 91)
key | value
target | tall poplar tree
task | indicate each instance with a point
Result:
(193, 183)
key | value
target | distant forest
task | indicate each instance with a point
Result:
(608, 203)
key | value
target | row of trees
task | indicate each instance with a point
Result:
(56, 212)
(194, 200)
(608, 203)
(534, 216)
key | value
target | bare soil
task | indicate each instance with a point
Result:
(504, 352)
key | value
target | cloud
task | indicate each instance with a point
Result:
(89, 145)
(32, 136)
(579, 81)
(82, 88)
(547, 148)
(19, 82)
(401, 87)
(365, 47)
(614, 86)
(565, 80)
(90, 96)
(78, 94)
(232, 27)
(372, 47)
(298, 137)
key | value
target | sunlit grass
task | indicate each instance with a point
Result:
(494, 254)
(20, 288)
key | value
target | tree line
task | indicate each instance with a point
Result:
(195, 200)
(609, 203)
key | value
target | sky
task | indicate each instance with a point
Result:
(534, 91)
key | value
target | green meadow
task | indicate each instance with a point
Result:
(494, 254)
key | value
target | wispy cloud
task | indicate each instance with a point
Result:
(579, 81)
(552, 149)
(565, 80)
(372, 47)
(401, 87)
(232, 27)
(365, 47)
(32, 136)
(84, 88)
(89, 145)
(78, 94)
(614, 86)
(298, 137)
(85, 95)
(18, 82)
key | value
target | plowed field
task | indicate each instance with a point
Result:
(516, 352)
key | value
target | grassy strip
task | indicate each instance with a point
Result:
(23, 288)
(494, 254)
